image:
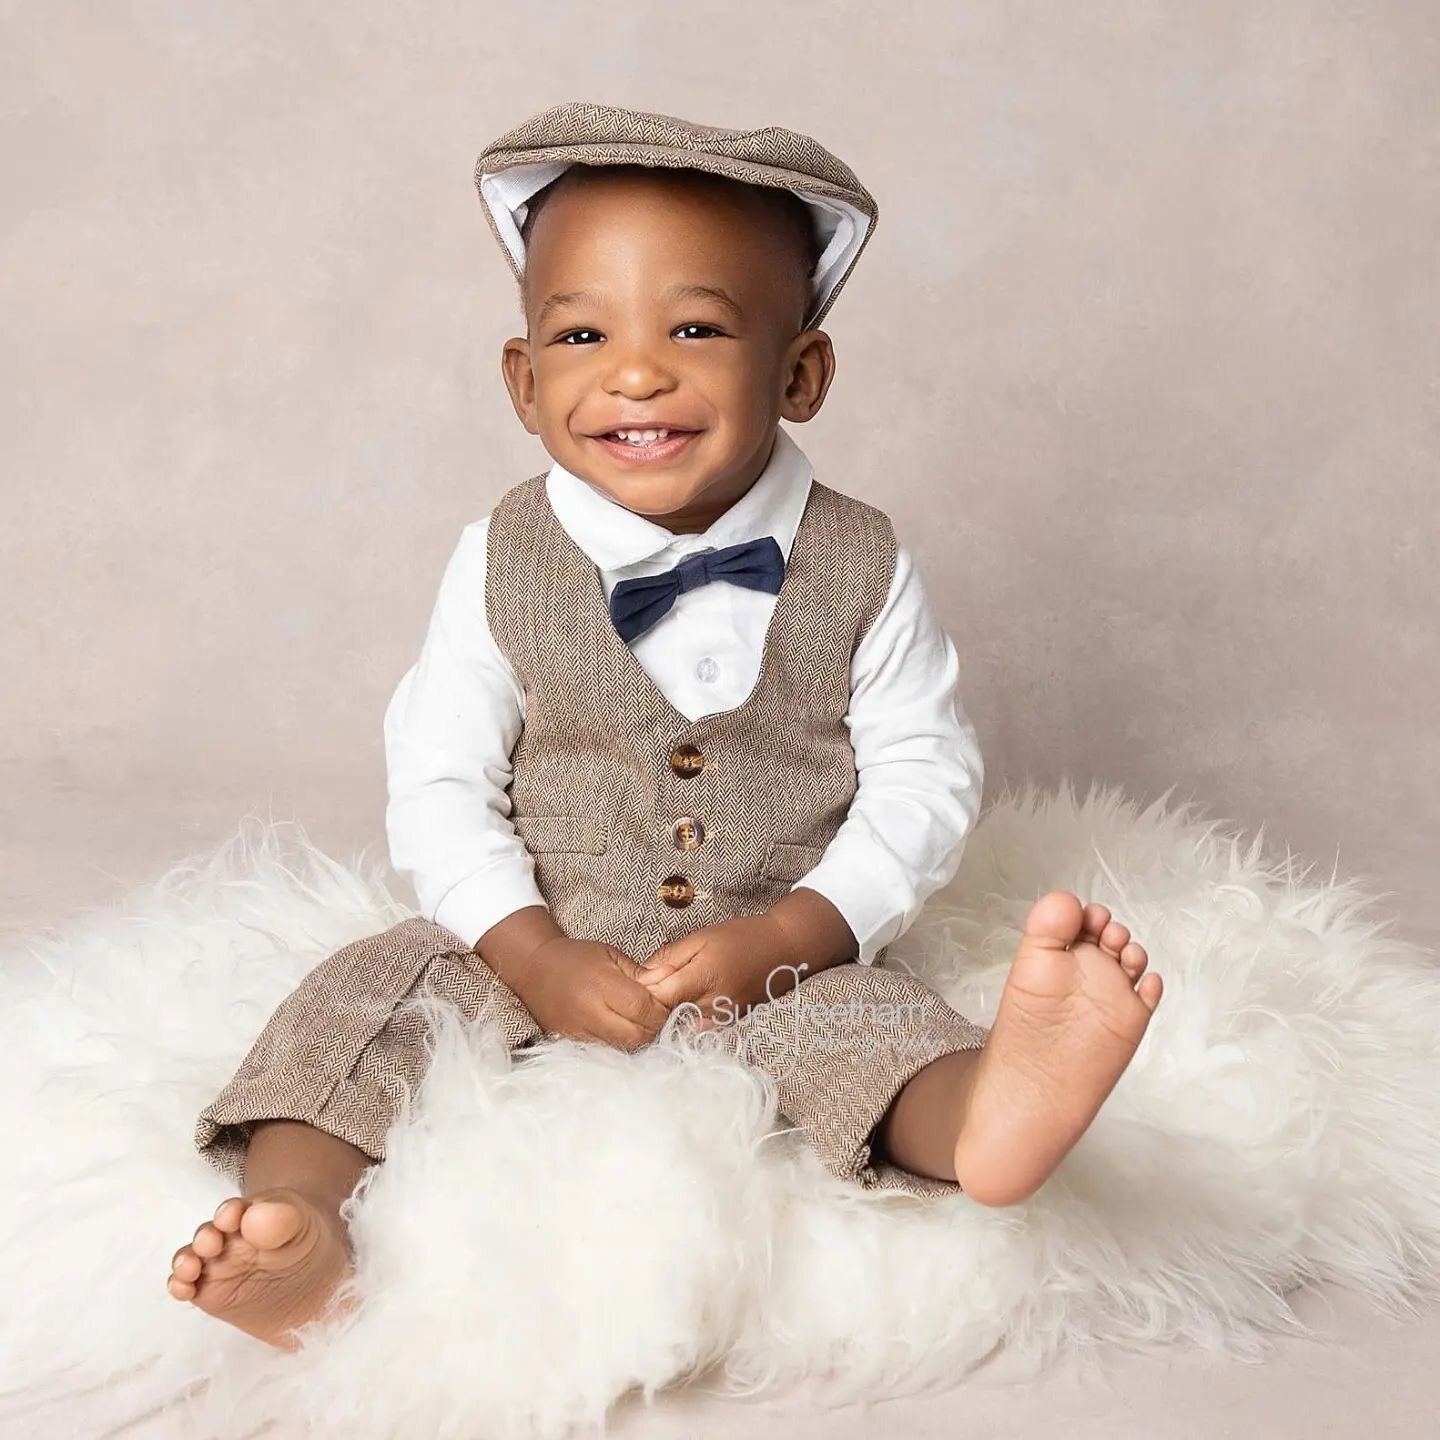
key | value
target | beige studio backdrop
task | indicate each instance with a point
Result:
(1143, 359)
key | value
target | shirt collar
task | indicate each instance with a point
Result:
(614, 537)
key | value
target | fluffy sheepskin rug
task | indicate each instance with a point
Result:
(554, 1236)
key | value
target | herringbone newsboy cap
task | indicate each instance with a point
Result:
(523, 160)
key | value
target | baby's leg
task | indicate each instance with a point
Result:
(1000, 1119)
(840, 1047)
(897, 1090)
(271, 1260)
(308, 1110)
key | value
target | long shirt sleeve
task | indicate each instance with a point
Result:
(919, 768)
(450, 729)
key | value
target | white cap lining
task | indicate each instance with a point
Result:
(840, 226)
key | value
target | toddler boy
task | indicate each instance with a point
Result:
(682, 741)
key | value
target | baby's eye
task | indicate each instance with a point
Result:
(571, 335)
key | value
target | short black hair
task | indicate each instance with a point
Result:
(790, 210)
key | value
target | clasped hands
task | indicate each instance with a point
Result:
(592, 991)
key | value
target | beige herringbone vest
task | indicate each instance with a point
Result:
(643, 824)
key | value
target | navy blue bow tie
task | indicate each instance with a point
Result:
(636, 605)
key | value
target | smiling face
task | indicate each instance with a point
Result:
(670, 300)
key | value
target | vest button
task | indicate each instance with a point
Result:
(688, 833)
(677, 892)
(686, 760)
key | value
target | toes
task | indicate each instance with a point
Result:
(1133, 960)
(208, 1242)
(185, 1270)
(1055, 919)
(268, 1224)
(1114, 937)
(1150, 989)
(227, 1217)
(187, 1265)
(1096, 919)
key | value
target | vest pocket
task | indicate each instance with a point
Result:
(558, 834)
(787, 861)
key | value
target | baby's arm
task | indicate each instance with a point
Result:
(450, 730)
(920, 773)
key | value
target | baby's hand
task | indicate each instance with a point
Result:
(723, 969)
(589, 991)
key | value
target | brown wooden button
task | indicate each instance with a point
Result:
(688, 833)
(686, 760)
(677, 892)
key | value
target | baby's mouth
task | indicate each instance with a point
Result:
(646, 447)
(642, 438)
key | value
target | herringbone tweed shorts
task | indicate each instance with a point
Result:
(338, 1053)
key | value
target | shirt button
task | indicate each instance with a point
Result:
(688, 833)
(686, 760)
(707, 669)
(677, 892)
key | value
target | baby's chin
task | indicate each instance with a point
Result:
(649, 488)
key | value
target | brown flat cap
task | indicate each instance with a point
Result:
(523, 160)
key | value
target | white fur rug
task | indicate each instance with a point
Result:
(551, 1235)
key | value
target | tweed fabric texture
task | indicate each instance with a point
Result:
(583, 133)
(343, 1050)
(596, 799)
(593, 791)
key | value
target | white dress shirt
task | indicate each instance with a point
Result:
(455, 716)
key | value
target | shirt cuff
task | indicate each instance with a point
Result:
(472, 905)
(869, 914)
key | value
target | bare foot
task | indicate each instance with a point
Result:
(1068, 1024)
(267, 1263)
